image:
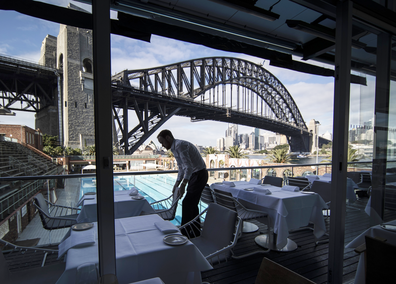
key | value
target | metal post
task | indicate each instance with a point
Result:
(340, 141)
(317, 146)
(103, 140)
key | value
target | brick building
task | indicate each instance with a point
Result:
(22, 134)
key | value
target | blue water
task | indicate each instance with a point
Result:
(152, 187)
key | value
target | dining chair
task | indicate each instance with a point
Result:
(33, 269)
(218, 235)
(302, 182)
(273, 273)
(166, 208)
(57, 216)
(207, 195)
(364, 185)
(226, 199)
(379, 259)
(276, 181)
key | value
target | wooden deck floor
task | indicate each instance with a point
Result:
(308, 260)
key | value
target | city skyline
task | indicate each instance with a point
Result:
(22, 37)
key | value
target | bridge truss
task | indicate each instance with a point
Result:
(26, 86)
(222, 89)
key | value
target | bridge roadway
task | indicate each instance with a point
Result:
(221, 89)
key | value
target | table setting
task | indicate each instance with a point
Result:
(146, 247)
(385, 231)
(287, 207)
(127, 203)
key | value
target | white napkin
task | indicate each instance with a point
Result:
(260, 189)
(84, 239)
(166, 227)
(290, 188)
(133, 192)
(229, 183)
(255, 181)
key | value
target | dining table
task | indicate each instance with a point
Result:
(287, 209)
(378, 231)
(141, 252)
(125, 205)
(351, 185)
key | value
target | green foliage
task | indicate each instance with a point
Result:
(236, 152)
(352, 156)
(263, 152)
(279, 156)
(69, 151)
(49, 140)
(209, 150)
(283, 146)
(90, 151)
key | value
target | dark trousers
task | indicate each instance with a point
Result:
(196, 184)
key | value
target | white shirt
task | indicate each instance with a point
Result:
(188, 158)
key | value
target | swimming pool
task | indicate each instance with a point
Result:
(152, 187)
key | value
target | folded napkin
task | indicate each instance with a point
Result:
(290, 188)
(229, 183)
(166, 227)
(255, 181)
(87, 238)
(133, 192)
(260, 189)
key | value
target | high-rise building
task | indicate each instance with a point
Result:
(231, 135)
(220, 144)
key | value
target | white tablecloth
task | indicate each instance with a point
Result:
(351, 185)
(288, 210)
(375, 231)
(141, 254)
(124, 206)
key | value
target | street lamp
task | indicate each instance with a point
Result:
(317, 124)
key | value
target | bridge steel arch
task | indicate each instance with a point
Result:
(222, 89)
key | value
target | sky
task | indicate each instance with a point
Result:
(21, 37)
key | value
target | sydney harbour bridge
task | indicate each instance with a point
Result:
(221, 89)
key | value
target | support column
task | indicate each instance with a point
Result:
(103, 139)
(340, 140)
(381, 121)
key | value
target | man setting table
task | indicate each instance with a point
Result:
(192, 171)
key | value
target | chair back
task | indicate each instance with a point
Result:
(225, 198)
(219, 226)
(380, 259)
(42, 207)
(170, 213)
(323, 189)
(273, 273)
(302, 182)
(207, 195)
(275, 181)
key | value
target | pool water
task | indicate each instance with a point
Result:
(152, 187)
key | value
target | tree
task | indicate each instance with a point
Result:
(90, 151)
(282, 146)
(209, 150)
(49, 140)
(279, 156)
(69, 151)
(352, 156)
(235, 152)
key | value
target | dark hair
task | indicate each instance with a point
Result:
(165, 133)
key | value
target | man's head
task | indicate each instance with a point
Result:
(165, 137)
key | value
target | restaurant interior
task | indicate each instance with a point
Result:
(350, 40)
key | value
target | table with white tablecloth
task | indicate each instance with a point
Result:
(351, 185)
(287, 210)
(124, 206)
(140, 254)
(375, 232)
